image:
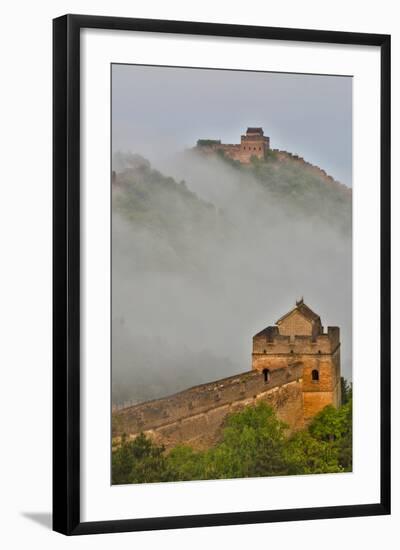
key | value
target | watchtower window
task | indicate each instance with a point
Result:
(267, 375)
(315, 375)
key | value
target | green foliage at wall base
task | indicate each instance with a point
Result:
(253, 444)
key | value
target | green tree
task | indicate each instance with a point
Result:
(252, 445)
(346, 441)
(139, 461)
(334, 426)
(306, 455)
(327, 425)
(185, 464)
(346, 390)
(330, 424)
(122, 463)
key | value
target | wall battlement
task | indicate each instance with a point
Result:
(270, 341)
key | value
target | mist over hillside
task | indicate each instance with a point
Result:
(206, 252)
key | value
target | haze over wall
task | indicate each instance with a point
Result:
(160, 110)
(189, 293)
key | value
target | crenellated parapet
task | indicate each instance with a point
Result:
(269, 341)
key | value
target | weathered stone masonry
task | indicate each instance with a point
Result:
(299, 337)
(195, 416)
(295, 369)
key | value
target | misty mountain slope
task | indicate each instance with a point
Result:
(294, 185)
(305, 187)
(199, 268)
(161, 208)
(152, 199)
(163, 238)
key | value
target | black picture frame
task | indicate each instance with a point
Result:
(66, 273)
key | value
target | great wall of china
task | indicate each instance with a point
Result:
(295, 369)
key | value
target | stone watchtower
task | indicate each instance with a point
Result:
(298, 338)
(253, 144)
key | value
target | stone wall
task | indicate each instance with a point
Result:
(298, 376)
(196, 416)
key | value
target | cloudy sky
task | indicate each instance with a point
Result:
(157, 111)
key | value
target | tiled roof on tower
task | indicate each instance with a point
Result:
(258, 131)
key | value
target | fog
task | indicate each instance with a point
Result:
(188, 296)
(159, 110)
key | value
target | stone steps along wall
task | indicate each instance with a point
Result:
(213, 400)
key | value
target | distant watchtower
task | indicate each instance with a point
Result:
(298, 339)
(253, 144)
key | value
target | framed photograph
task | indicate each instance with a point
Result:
(221, 274)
